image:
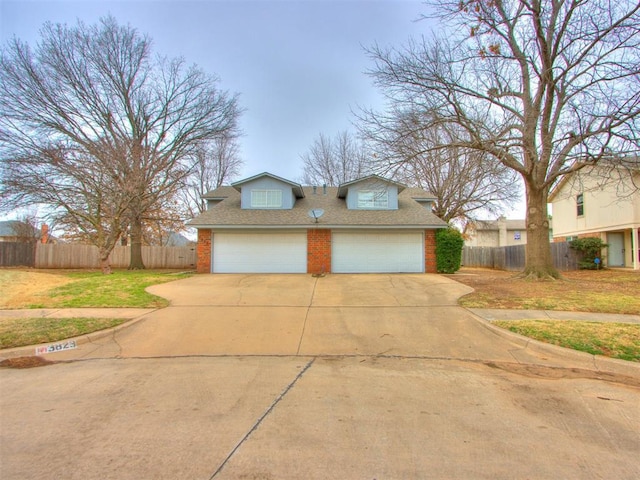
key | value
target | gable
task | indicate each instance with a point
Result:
(371, 193)
(266, 191)
(592, 199)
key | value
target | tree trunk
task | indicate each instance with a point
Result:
(538, 260)
(105, 264)
(136, 245)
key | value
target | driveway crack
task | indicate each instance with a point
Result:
(262, 417)
(306, 316)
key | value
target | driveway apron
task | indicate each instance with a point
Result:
(394, 315)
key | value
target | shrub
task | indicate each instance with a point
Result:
(589, 249)
(448, 250)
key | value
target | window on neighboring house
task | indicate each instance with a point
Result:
(580, 204)
(266, 198)
(373, 199)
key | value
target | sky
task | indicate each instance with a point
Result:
(299, 66)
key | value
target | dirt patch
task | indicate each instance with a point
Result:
(541, 371)
(25, 362)
(609, 291)
(23, 288)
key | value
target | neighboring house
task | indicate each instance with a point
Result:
(177, 240)
(269, 224)
(601, 202)
(18, 231)
(496, 233)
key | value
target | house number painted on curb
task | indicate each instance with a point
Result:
(56, 347)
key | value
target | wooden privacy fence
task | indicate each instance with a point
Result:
(512, 258)
(86, 256)
(17, 254)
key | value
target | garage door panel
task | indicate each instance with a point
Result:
(260, 252)
(377, 252)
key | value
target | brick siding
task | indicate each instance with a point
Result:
(430, 265)
(203, 251)
(318, 250)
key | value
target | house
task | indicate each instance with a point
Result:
(19, 231)
(270, 224)
(496, 233)
(604, 202)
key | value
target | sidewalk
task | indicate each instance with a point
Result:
(499, 314)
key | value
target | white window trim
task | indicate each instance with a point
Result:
(379, 200)
(264, 198)
(580, 205)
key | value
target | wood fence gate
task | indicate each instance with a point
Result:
(17, 254)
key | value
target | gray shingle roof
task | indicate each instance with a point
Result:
(228, 214)
(494, 225)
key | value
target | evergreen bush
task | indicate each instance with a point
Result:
(589, 249)
(448, 250)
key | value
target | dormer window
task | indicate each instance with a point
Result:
(373, 199)
(266, 198)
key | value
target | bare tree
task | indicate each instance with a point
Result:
(544, 86)
(335, 161)
(213, 164)
(464, 181)
(108, 126)
(87, 203)
(26, 227)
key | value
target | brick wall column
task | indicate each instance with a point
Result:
(318, 250)
(203, 251)
(430, 265)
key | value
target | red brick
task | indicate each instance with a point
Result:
(430, 251)
(318, 250)
(203, 251)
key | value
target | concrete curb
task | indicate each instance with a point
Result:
(511, 314)
(600, 363)
(29, 350)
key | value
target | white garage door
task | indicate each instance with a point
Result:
(377, 252)
(260, 252)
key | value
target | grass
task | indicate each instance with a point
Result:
(615, 340)
(607, 291)
(18, 332)
(120, 289)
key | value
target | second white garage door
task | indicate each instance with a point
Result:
(377, 252)
(260, 252)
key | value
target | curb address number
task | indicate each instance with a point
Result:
(56, 347)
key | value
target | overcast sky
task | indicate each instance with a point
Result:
(297, 65)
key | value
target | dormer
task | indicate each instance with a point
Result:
(268, 192)
(426, 202)
(371, 193)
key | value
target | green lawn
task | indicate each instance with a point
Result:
(120, 289)
(19, 332)
(616, 340)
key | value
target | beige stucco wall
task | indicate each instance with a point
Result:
(496, 238)
(613, 206)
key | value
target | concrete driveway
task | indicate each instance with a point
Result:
(290, 376)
